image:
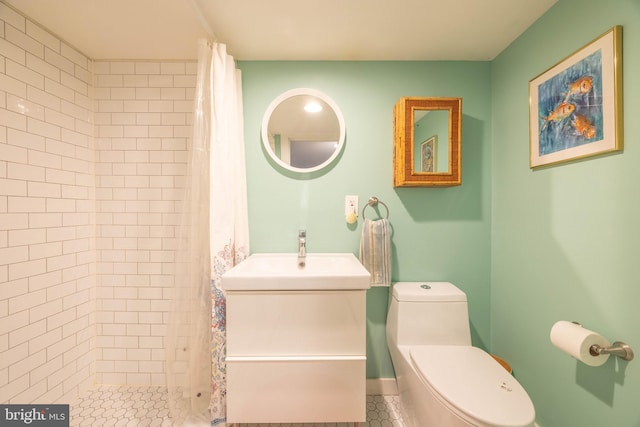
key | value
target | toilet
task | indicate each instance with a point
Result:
(443, 381)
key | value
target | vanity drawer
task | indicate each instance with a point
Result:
(296, 323)
(296, 390)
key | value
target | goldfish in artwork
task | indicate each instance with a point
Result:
(583, 126)
(561, 112)
(581, 86)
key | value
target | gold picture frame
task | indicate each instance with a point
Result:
(428, 154)
(575, 107)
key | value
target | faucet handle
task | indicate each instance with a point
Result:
(302, 247)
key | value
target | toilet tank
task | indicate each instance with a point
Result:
(428, 313)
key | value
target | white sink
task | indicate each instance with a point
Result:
(280, 271)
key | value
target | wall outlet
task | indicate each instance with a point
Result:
(351, 205)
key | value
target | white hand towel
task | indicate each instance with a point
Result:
(375, 251)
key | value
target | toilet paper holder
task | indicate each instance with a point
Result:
(618, 348)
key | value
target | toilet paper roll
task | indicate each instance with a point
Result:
(576, 341)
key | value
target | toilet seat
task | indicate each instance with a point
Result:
(473, 385)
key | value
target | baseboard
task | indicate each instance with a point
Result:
(382, 386)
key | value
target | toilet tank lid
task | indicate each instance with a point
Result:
(427, 291)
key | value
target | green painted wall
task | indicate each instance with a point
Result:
(438, 233)
(528, 247)
(565, 239)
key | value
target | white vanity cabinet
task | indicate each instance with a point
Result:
(296, 356)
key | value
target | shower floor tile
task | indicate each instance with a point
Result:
(137, 406)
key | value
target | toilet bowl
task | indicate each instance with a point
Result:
(443, 381)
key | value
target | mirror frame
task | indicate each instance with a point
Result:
(404, 174)
(301, 92)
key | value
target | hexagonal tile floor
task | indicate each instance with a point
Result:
(138, 406)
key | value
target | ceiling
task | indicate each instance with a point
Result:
(288, 29)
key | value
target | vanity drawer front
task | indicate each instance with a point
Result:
(296, 390)
(282, 323)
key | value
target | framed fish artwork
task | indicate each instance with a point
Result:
(428, 154)
(575, 107)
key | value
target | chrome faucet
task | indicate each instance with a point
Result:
(302, 247)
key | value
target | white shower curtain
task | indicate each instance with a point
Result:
(212, 238)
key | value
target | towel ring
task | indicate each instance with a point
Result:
(373, 201)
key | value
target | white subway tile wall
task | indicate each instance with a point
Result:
(142, 129)
(47, 216)
(92, 159)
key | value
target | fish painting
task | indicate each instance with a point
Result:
(560, 113)
(570, 107)
(583, 126)
(581, 86)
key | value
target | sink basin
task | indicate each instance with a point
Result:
(280, 271)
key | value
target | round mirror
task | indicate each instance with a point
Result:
(303, 130)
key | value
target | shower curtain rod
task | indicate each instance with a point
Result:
(203, 21)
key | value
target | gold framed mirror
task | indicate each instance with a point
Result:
(427, 134)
